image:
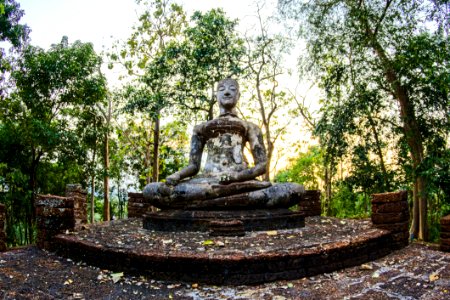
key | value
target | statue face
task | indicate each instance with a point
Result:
(228, 94)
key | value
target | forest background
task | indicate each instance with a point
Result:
(362, 108)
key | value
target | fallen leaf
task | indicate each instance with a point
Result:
(220, 244)
(271, 232)
(366, 267)
(208, 243)
(434, 277)
(68, 281)
(116, 276)
(194, 285)
(290, 285)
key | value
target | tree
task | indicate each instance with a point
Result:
(264, 67)
(210, 52)
(52, 88)
(398, 47)
(10, 31)
(161, 22)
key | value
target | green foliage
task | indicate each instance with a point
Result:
(384, 70)
(40, 122)
(10, 31)
(210, 52)
(347, 203)
(307, 169)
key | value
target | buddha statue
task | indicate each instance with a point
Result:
(226, 181)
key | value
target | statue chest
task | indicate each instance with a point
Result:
(225, 153)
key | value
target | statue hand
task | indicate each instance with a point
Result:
(173, 179)
(227, 178)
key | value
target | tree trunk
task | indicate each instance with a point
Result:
(414, 140)
(106, 212)
(328, 176)
(155, 168)
(92, 198)
(387, 185)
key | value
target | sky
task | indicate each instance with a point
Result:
(103, 21)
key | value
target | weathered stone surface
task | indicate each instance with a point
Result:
(181, 220)
(445, 234)
(399, 206)
(310, 203)
(390, 197)
(445, 227)
(394, 227)
(390, 212)
(227, 228)
(53, 201)
(389, 218)
(445, 220)
(138, 205)
(55, 214)
(79, 196)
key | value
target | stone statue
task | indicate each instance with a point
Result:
(226, 181)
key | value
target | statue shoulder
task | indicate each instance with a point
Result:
(252, 128)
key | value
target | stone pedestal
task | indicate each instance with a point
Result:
(54, 215)
(390, 211)
(79, 196)
(2, 227)
(310, 203)
(445, 233)
(224, 222)
(138, 206)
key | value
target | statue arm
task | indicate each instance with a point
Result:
(258, 150)
(195, 159)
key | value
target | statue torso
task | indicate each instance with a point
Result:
(225, 140)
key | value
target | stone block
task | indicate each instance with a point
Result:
(388, 207)
(390, 197)
(445, 227)
(445, 220)
(53, 201)
(394, 227)
(389, 218)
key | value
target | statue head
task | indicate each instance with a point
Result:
(228, 96)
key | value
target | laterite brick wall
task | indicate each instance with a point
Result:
(390, 211)
(137, 205)
(445, 233)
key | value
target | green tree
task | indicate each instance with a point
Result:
(40, 118)
(161, 22)
(13, 32)
(210, 52)
(264, 57)
(398, 47)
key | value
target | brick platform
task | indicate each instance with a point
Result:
(138, 206)
(310, 203)
(445, 233)
(390, 211)
(261, 256)
(2, 227)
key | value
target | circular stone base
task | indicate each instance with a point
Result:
(323, 245)
(223, 221)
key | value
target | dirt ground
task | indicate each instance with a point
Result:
(415, 272)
